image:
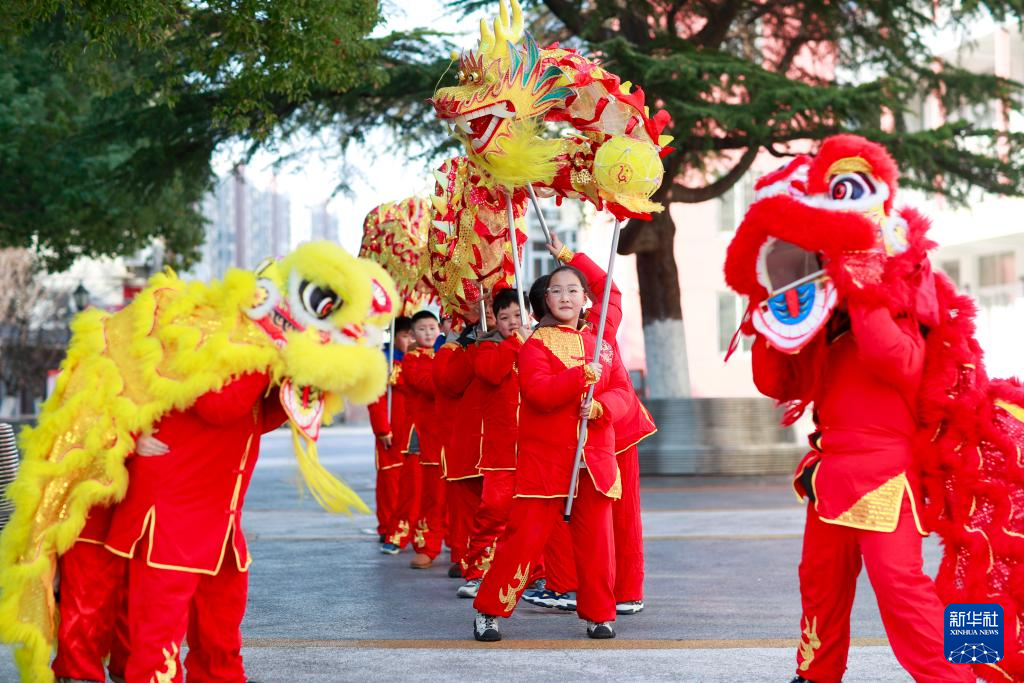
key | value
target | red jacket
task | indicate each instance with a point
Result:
(190, 500)
(399, 426)
(496, 367)
(452, 376)
(636, 423)
(417, 366)
(466, 393)
(554, 382)
(864, 382)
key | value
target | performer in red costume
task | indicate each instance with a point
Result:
(495, 368)
(852, 346)
(554, 377)
(467, 395)
(429, 528)
(391, 435)
(631, 428)
(180, 523)
(92, 593)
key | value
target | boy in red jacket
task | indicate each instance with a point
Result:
(429, 525)
(495, 368)
(391, 432)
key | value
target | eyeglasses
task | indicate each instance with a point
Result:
(570, 291)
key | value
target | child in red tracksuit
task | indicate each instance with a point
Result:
(428, 529)
(457, 375)
(630, 428)
(495, 367)
(391, 432)
(555, 375)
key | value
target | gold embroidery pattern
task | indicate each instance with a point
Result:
(484, 563)
(878, 510)
(419, 539)
(809, 642)
(170, 664)
(565, 254)
(565, 345)
(510, 595)
(399, 535)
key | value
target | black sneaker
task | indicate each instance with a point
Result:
(550, 599)
(455, 571)
(630, 607)
(485, 628)
(389, 549)
(600, 629)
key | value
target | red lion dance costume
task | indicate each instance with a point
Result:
(911, 434)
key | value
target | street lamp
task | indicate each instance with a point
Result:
(81, 297)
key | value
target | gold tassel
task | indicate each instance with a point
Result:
(330, 492)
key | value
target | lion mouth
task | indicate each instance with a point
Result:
(481, 124)
(800, 296)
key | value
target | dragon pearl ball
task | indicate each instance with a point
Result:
(624, 166)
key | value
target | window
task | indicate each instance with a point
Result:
(997, 269)
(730, 313)
(734, 202)
(952, 269)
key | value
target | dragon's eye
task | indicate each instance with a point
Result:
(318, 301)
(850, 186)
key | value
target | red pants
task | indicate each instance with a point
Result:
(496, 497)
(559, 562)
(387, 496)
(520, 547)
(92, 619)
(463, 502)
(407, 507)
(165, 604)
(629, 541)
(428, 532)
(910, 607)
(629, 531)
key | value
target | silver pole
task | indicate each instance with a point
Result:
(597, 355)
(483, 311)
(540, 214)
(515, 259)
(391, 366)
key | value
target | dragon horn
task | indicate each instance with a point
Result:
(486, 38)
(503, 29)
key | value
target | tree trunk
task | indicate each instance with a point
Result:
(668, 373)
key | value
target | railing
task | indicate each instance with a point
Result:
(719, 436)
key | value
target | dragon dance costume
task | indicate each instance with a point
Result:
(910, 434)
(290, 340)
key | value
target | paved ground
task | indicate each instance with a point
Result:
(325, 605)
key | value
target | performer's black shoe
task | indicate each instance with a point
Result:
(600, 629)
(485, 628)
(455, 571)
(801, 679)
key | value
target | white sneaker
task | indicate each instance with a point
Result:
(485, 628)
(631, 607)
(469, 589)
(600, 629)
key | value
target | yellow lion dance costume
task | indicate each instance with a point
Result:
(311, 320)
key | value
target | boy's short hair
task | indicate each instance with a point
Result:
(504, 299)
(536, 296)
(403, 323)
(423, 315)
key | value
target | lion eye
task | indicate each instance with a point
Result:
(850, 186)
(318, 301)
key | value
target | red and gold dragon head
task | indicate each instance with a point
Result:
(512, 95)
(819, 227)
